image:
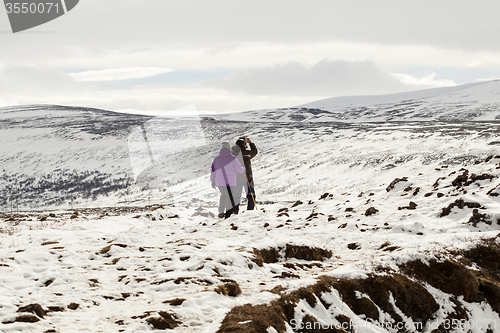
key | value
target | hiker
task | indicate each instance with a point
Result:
(224, 170)
(245, 180)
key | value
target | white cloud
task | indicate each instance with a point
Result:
(458, 24)
(282, 53)
(427, 81)
(27, 80)
(258, 88)
(158, 100)
(258, 33)
(234, 36)
(260, 54)
(326, 78)
(487, 79)
(116, 74)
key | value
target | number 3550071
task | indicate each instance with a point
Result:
(25, 8)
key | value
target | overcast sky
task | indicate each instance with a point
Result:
(227, 55)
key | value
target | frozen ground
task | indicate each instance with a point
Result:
(158, 252)
(122, 268)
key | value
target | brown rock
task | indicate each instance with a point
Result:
(73, 306)
(34, 308)
(371, 211)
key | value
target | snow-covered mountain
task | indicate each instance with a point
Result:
(470, 102)
(53, 154)
(363, 223)
(68, 156)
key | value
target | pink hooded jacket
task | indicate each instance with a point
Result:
(224, 169)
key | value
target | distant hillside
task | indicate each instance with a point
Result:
(470, 102)
(72, 156)
(52, 155)
(58, 156)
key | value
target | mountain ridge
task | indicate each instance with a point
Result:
(469, 102)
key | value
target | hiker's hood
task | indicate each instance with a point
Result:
(224, 152)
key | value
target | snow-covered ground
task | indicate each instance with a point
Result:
(122, 268)
(116, 269)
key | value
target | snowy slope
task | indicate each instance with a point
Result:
(123, 268)
(470, 102)
(157, 255)
(62, 157)
(54, 154)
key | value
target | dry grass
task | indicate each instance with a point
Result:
(410, 297)
(448, 276)
(164, 321)
(475, 277)
(9, 231)
(302, 252)
(253, 319)
(229, 288)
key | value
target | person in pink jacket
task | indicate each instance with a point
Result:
(224, 170)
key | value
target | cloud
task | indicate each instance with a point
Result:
(116, 74)
(462, 24)
(27, 80)
(157, 100)
(21, 85)
(487, 79)
(326, 78)
(259, 88)
(400, 37)
(427, 81)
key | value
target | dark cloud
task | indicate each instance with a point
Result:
(326, 78)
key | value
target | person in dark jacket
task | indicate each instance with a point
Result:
(244, 156)
(224, 170)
